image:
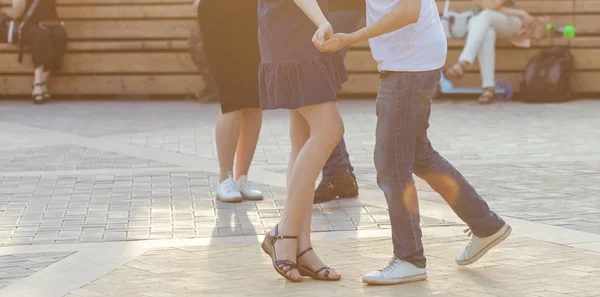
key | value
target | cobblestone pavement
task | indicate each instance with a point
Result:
(519, 267)
(101, 172)
(18, 266)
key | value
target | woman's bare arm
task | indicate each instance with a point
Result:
(16, 10)
(313, 11)
(196, 4)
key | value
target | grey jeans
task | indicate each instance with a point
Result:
(403, 148)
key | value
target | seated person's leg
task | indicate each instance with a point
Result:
(479, 25)
(487, 67)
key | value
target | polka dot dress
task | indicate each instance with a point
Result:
(293, 73)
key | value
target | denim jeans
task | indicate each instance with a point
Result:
(403, 148)
(338, 165)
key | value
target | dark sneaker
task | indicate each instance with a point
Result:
(331, 189)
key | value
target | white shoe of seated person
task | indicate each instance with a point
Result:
(248, 191)
(228, 191)
(480, 246)
(397, 272)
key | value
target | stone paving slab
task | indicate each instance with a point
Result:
(17, 266)
(90, 172)
(69, 157)
(558, 194)
(459, 130)
(102, 118)
(518, 267)
(153, 205)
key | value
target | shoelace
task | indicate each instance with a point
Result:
(473, 237)
(391, 265)
(230, 186)
(246, 185)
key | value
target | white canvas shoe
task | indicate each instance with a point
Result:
(397, 272)
(228, 191)
(480, 246)
(248, 191)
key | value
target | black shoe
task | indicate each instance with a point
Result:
(331, 189)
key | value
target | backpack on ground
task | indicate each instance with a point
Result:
(548, 76)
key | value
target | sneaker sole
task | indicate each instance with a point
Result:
(397, 281)
(253, 198)
(484, 251)
(236, 200)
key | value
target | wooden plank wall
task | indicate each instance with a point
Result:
(117, 47)
(139, 47)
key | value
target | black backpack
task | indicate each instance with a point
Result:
(548, 76)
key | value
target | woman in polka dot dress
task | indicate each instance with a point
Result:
(294, 75)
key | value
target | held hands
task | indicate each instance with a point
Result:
(326, 41)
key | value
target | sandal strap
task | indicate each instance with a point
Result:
(327, 271)
(488, 93)
(39, 84)
(277, 236)
(285, 265)
(304, 252)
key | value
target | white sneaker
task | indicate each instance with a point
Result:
(397, 272)
(248, 191)
(480, 246)
(228, 191)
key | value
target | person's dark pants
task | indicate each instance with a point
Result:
(338, 165)
(403, 148)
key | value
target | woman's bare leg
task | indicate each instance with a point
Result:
(38, 78)
(45, 78)
(326, 118)
(299, 134)
(227, 134)
(247, 140)
(326, 129)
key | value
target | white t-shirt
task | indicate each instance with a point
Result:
(417, 47)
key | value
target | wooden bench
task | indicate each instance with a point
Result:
(139, 47)
(117, 47)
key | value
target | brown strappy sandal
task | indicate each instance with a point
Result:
(458, 70)
(488, 96)
(305, 271)
(281, 266)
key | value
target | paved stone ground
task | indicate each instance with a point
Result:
(519, 267)
(18, 266)
(83, 175)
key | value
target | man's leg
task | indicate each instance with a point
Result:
(338, 174)
(402, 103)
(338, 177)
(455, 189)
(487, 227)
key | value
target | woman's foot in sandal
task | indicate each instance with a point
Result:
(37, 93)
(45, 93)
(281, 248)
(458, 70)
(488, 96)
(310, 265)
